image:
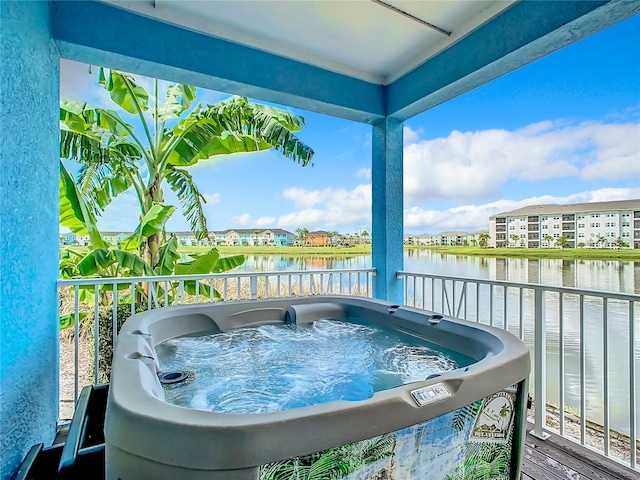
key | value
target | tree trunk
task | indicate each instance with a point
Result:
(152, 245)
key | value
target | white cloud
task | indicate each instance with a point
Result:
(248, 221)
(328, 208)
(122, 215)
(476, 217)
(472, 166)
(211, 198)
(364, 173)
(410, 136)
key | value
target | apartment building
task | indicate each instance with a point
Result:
(444, 238)
(584, 225)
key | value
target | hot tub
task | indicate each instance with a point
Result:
(460, 423)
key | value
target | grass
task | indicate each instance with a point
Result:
(565, 254)
(356, 250)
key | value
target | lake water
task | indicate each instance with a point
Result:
(603, 275)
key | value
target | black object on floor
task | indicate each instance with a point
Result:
(82, 455)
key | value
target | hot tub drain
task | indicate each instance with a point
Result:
(169, 378)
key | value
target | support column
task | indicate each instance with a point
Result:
(387, 209)
(29, 217)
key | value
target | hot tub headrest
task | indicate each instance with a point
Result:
(301, 314)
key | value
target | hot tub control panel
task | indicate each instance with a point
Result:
(432, 393)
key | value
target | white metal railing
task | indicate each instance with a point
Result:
(584, 347)
(93, 305)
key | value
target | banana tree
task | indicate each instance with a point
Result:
(115, 157)
(99, 260)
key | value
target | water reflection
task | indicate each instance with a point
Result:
(603, 275)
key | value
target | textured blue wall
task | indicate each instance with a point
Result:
(387, 222)
(29, 83)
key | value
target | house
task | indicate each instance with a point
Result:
(68, 239)
(319, 238)
(379, 80)
(114, 238)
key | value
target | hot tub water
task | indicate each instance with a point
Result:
(280, 367)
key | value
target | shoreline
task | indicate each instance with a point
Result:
(624, 255)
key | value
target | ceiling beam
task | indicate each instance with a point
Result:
(100, 34)
(521, 34)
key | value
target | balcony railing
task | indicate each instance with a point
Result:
(584, 344)
(556, 322)
(97, 306)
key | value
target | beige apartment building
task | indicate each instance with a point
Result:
(588, 225)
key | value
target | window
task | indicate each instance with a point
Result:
(595, 225)
(512, 227)
(556, 218)
(556, 235)
(545, 217)
(580, 217)
(545, 227)
(523, 227)
(556, 227)
(625, 234)
(581, 225)
(581, 235)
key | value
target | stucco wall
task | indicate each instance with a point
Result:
(29, 84)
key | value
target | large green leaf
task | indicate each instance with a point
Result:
(83, 117)
(74, 213)
(95, 261)
(179, 98)
(69, 320)
(203, 289)
(290, 121)
(124, 91)
(191, 200)
(167, 257)
(152, 222)
(200, 264)
(134, 264)
(225, 264)
(233, 126)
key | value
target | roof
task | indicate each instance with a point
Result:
(402, 58)
(386, 39)
(318, 232)
(549, 209)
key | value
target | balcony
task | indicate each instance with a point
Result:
(568, 227)
(501, 228)
(568, 218)
(553, 321)
(380, 92)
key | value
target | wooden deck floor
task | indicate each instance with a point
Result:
(557, 458)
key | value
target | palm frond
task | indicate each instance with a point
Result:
(100, 183)
(236, 125)
(191, 200)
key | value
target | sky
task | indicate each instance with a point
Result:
(564, 129)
